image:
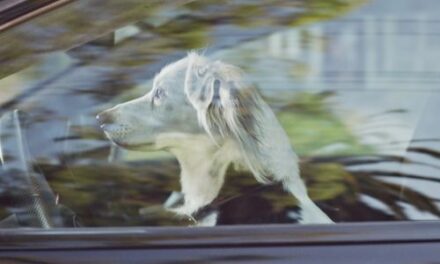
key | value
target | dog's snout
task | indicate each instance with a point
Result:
(105, 118)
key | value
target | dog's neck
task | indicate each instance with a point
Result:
(203, 165)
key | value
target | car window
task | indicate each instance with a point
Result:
(314, 112)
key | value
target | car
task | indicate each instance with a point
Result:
(352, 83)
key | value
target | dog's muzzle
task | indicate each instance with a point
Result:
(115, 131)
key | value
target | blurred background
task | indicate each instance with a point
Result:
(353, 82)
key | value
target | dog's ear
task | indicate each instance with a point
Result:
(228, 107)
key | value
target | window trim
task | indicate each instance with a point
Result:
(17, 12)
(19, 239)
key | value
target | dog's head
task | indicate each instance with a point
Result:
(192, 96)
(138, 123)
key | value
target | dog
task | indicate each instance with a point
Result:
(208, 115)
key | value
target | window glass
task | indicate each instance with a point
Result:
(239, 88)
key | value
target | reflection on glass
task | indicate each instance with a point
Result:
(32, 201)
(354, 84)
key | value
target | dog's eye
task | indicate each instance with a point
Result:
(158, 94)
(157, 97)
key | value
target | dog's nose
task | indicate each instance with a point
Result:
(105, 118)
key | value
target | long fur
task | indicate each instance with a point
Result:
(229, 107)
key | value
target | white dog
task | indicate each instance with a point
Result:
(207, 115)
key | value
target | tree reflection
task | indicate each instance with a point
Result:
(72, 152)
